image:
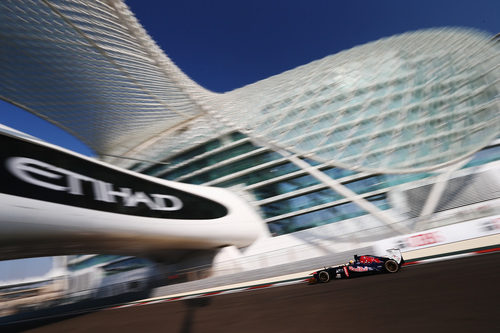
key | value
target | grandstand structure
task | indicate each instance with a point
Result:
(381, 137)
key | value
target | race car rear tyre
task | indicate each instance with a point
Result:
(391, 266)
(323, 276)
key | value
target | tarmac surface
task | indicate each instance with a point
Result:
(461, 295)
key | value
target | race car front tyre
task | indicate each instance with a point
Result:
(391, 266)
(323, 276)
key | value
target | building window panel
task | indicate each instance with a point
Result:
(208, 161)
(337, 173)
(393, 180)
(484, 156)
(298, 203)
(366, 185)
(152, 170)
(283, 187)
(324, 216)
(233, 167)
(262, 175)
(214, 144)
(237, 136)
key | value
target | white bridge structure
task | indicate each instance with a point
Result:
(54, 201)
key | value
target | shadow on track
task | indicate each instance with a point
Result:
(192, 305)
(454, 296)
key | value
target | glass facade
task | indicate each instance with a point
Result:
(486, 155)
(262, 175)
(289, 199)
(324, 216)
(231, 168)
(393, 119)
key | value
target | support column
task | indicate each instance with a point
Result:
(347, 193)
(435, 195)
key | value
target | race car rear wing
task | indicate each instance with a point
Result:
(395, 254)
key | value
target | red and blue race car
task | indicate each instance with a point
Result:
(360, 266)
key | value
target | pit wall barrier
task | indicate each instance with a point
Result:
(456, 238)
(304, 253)
(467, 238)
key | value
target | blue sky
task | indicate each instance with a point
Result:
(226, 44)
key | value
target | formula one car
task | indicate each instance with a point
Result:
(360, 266)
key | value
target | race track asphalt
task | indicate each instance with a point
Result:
(461, 295)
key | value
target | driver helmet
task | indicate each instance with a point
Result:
(351, 262)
